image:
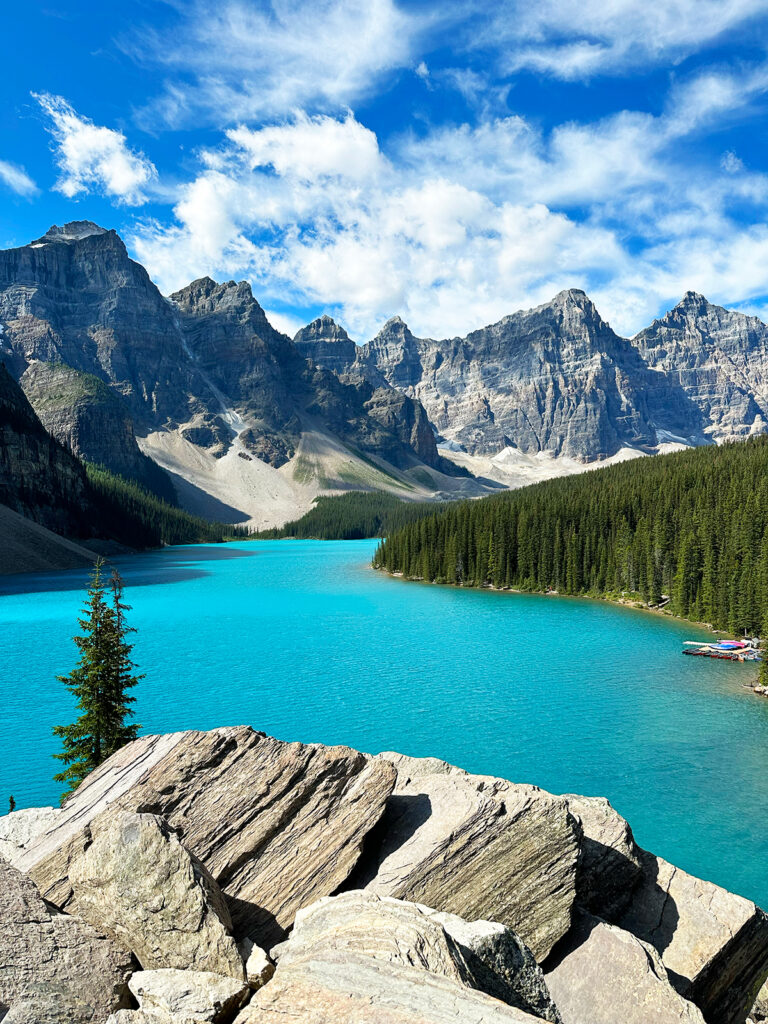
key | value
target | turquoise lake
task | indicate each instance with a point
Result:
(303, 640)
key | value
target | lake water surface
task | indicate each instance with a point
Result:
(303, 640)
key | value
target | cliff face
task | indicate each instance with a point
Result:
(92, 421)
(327, 344)
(39, 478)
(75, 297)
(558, 379)
(718, 359)
(555, 378)
(278, 389)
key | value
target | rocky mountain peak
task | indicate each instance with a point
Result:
(693, 303)
(74, 231)
(205, 295)
(323, 329)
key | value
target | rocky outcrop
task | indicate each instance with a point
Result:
(329, 987)
(713, 943)
(415, 892)
(604, 975)
(54, 967)
(128, 861)
(92, 421)
(278, 825)
(476, 846)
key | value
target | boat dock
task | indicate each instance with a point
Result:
(730, 650)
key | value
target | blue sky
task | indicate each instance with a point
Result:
(449, 162)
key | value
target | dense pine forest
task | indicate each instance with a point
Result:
(692, 526)
(140, 519)
(352, 516)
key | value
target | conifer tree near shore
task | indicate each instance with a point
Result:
(101, 682)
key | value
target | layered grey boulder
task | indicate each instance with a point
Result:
(713, 943)
(138, 883)
(501, 964)
(478, 847)
(54, 967)
(361, 958)
(278, 825)
(610, 866)
(604, 974)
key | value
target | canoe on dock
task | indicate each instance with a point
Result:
(730, 650)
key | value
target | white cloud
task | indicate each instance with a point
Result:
(577, 39)
(244, 60)
(94, 158)
(288, 323)
(17, 179)
(350, 231)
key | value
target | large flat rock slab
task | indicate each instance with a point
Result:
(137, 882)
(713, 943)
(54, 967)
(278, 825)
(606, 975)
(476, 846)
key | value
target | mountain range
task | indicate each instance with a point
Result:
(198, 397)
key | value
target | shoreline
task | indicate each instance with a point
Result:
(638, 606)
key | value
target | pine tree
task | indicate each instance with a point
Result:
(99, 682)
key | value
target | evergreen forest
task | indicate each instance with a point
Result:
(352, 516)
(691, 527)
(127, 512)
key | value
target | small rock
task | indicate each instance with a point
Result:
(197, 997)
(137, 882)
(501, 964)
(258, 966)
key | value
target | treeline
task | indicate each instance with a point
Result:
(352, 516)
(692, 526)
(135, 517)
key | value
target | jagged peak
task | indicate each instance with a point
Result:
(693, 299)
(323, 329)
(74, 231)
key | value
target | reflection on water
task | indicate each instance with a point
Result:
(170, 565)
